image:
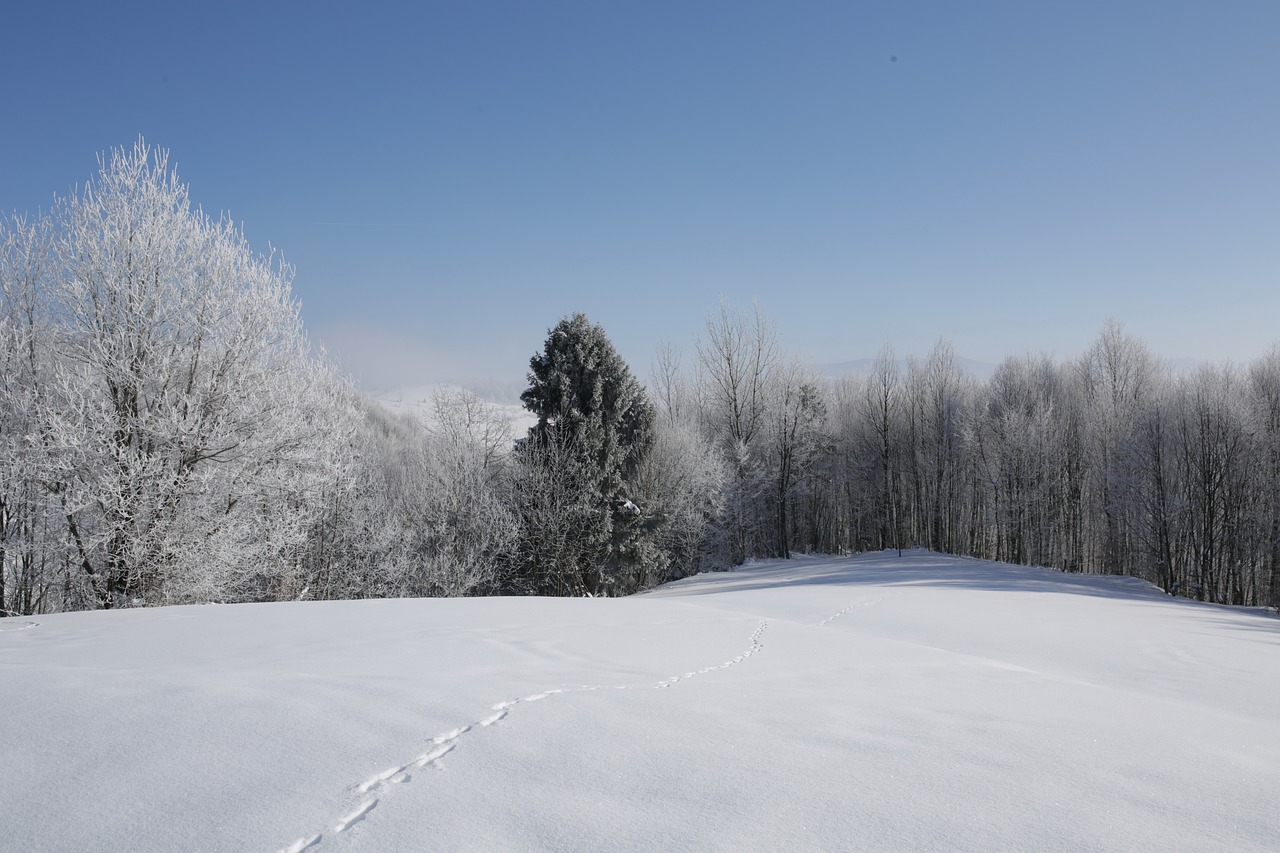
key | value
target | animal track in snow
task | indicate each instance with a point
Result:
(356, 816)
(441, 745)
(433, 755)
(11, 625)
(453, 735)
(399, 774)
(301, 844)
(756, 646)
(445, 743)
(833, 617)
(394, 776)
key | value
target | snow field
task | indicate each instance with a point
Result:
(873, 703)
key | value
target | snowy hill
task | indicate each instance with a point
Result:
(874, 703)
(419, 401)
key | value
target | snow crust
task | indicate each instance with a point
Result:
(873, 703)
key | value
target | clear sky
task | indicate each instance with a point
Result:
(450, 179)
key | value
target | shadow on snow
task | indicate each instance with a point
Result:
(918, 567)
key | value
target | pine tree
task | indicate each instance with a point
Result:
(595, 424)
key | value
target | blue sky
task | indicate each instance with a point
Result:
(450, 179)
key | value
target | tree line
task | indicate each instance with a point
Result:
(169, 435)
(1113, 462)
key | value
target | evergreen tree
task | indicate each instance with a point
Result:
(595, 425)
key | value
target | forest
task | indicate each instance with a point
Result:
(169, 435)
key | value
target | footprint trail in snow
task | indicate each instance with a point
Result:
(442, 744)
(833, 617)
(755, 647)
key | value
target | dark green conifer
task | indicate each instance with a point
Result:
(596, 417)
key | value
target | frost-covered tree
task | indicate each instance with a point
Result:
(796, 442)
(428, 510)
(682, 482)
(564, 528)
(467, 528)
(178, 423)
(28, 530)
(937, 391)
(737, 361)
(1115, 376)
(1019, 440)
(879, 407)
(1264, 413)
(595, 425)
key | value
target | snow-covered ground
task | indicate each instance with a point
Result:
(874, 703)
